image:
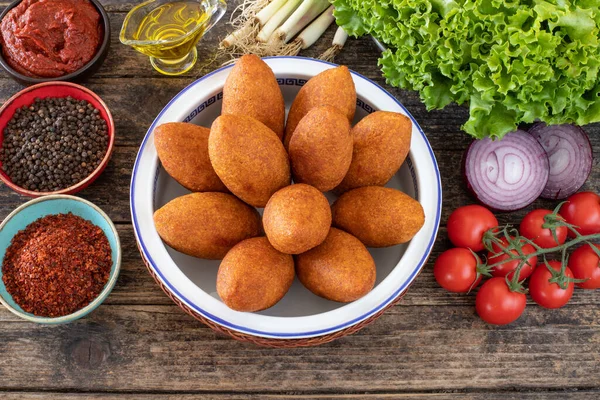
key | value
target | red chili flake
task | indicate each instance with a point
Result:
(57, 265)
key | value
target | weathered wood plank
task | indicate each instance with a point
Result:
(159, 348)
(562, 395)
(360, 54)
(134, 103)
(124, 61)
(111, 190)
(136, 286)
(139, 342)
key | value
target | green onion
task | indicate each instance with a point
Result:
(265, 27)
(308, 10)
(310, 34)
(245, 24)
(275, 21)
(339, 40)
(238, 35)
(266, 13)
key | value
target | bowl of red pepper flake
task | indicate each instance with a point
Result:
(61, 257)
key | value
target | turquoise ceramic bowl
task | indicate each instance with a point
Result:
(56, 204)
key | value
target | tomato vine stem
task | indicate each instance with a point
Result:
(514, 250)
(539, 251)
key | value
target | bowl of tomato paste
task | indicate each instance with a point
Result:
(48, 40)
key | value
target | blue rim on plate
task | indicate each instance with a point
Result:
(398, 292)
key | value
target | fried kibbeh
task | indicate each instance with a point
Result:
(249, 158)
(333, 87)
(381, 144)
(251, 89)
(378, 216)
(206, 225)
(321, 148)
(183, 151)
(254, 276)
(297, 218)
(339, 269)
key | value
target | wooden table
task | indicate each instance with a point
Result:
(139, 345)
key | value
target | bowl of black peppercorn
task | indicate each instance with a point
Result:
(55, 138)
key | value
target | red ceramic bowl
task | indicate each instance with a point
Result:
(57, 89)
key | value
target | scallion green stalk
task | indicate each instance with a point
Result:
(310, 34)
(315, 30)
(239, 35)
(277, 19)
(266, 13)
(244, 20)
(339, 40)
(308, 11)
(340, 37)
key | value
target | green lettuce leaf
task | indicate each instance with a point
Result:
(513, 61)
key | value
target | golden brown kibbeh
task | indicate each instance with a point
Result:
(321, 148)
(381, 144)
(297, 218)
(183, 151)
(251, 89)
(206, 225)
(249, 158)
(254, 276)
(333, 87)
(339, 269)
(378, 216)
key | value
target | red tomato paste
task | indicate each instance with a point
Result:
(50, 38)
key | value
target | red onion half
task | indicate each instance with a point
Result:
(507, 174)
(570, 154)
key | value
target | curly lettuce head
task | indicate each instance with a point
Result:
(513, 61)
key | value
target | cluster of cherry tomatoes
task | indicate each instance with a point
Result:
(502, 298)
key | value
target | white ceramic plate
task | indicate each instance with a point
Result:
(300, 314)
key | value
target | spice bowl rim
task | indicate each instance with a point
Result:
(114, 274)
(89, 67)
(85, 182)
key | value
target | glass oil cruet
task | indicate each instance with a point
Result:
(168, 31)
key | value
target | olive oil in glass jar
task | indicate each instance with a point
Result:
(168, 30)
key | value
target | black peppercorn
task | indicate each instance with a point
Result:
(42, 140)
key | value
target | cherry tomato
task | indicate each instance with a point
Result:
(585, 264)
(531, 228)
(467, 225)
(497, 304)
(583, 211)
(508, 267)
(546, 294)
(456, 270)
